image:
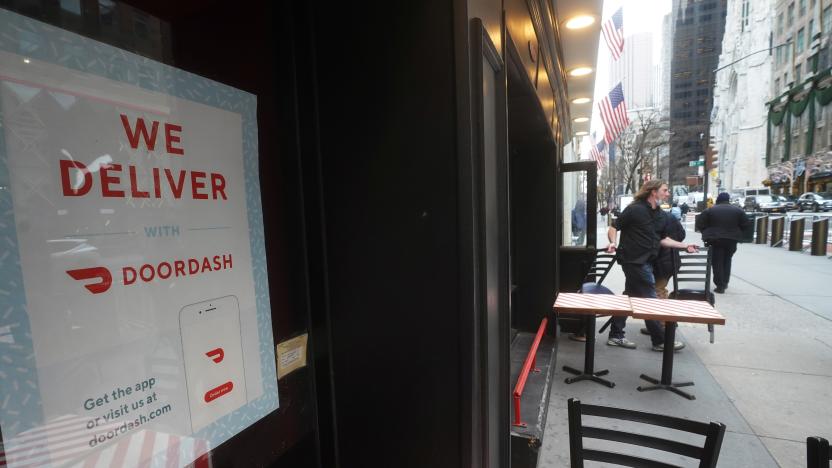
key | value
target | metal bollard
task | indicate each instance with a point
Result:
(778, 224)
(820, 234)
(762, 230)
(796, 234)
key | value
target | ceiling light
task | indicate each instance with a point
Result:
(580, 71)
(581, 100)
(581, 133)
(581, 120)
(26, 60)
(580, 21)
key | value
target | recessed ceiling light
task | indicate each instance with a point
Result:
(581, 120)
(581, 100)
(580, 21)
(580, 71)
(581, 133)
(26, 60)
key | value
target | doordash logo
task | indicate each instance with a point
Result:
(150, 272)
(100, 273)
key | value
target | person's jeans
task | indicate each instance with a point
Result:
(723, 251)
(639, 282)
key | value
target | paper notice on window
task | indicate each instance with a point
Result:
(291, 355)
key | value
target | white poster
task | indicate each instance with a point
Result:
(139, 327)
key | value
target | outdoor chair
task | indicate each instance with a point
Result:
(708, 454)
(817, 452)
(601, 266)
(692, 280)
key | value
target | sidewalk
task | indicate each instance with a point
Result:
(768, 376)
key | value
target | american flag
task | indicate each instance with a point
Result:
(597, 153)
(614, 113)
(613, 30)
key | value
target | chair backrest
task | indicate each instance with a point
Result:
(818, 453)
(692, 276)
(600, 268)
(707, 454)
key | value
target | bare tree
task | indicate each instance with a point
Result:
(648, 131)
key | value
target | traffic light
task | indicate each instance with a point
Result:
(711, 158)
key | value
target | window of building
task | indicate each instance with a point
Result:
(777, 86)
(785, 78)
(797, 73)
(810, 30)
(790, 15)
(72, 6)
(802, 9)
(827, 20)
(780, 24)
(809, 68)
(828, 134)
(746, 9)
(800, 33)
(778, 56)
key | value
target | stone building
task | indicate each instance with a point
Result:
(799, 136)
(738, 119)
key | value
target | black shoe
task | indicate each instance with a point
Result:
(720, 290)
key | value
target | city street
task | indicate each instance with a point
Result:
(767, 376)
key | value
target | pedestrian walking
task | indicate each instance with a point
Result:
(721, 227)
(643, 232)
(579, 222)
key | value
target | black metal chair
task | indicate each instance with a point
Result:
(707, 455)
(600, 268)
(694, 270)
(818, 453)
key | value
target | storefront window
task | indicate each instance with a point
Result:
(139, 314)
(575, 208)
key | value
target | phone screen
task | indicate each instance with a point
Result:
(213, 356)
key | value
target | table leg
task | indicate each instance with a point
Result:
(589, 372)
(666, 382)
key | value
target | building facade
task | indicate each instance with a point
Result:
(739, 116)
(697, 43)
(799, 134)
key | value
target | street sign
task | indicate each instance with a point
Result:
(696, 163)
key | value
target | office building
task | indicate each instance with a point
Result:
(697, 43)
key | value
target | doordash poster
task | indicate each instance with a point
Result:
(135, 323)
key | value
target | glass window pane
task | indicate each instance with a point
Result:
(575, 208)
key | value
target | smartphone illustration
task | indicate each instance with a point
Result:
(213, 355)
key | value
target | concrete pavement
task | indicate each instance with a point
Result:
(768, 376)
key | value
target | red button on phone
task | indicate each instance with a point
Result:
(217, 392)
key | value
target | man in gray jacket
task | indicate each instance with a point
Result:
(721, 226)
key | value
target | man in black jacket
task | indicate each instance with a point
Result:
(721, 226)
(642, 227)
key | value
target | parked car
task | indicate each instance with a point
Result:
(789, 202)
(761, 203)
(811, 201)
(770, 204)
